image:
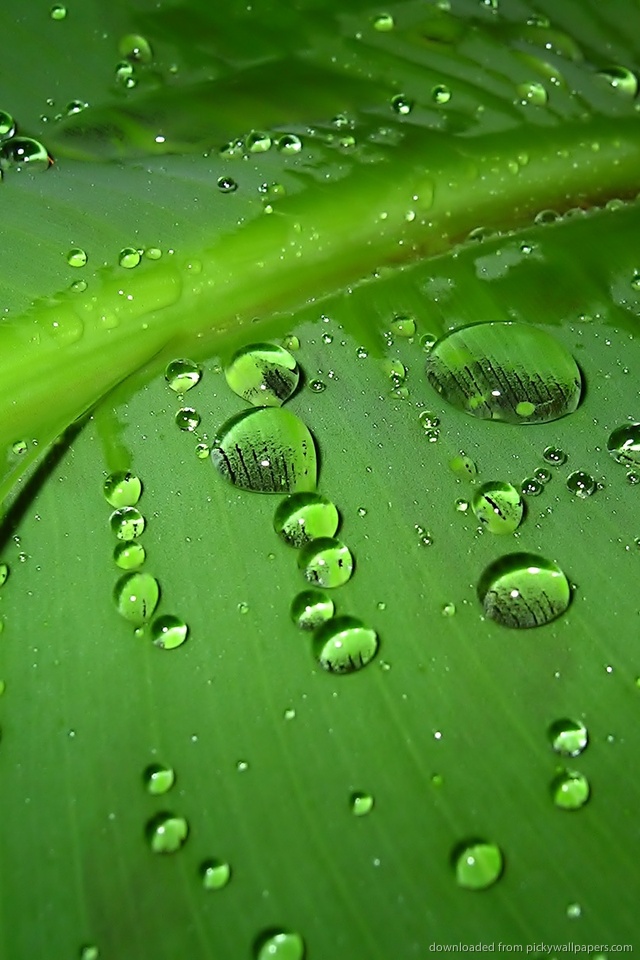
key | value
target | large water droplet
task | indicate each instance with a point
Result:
(215, 874)
(624, 444)
(505, 371)
(568, 737)
(159, 779)
(477, 864)
(76, 257)
(169, 631)
(129, 258)
(326, 562)
(524, 590)
(182, 375)
(303, 517)
(122, 489)
(279, 945)
(311, 608)
(263, 374)
(22, 153)
(498, 506)
(570, 790)
(166, 833)
(268, 450)
(187, 419)
(581, 484)
(136, 596)
(344, 644)
(127, 523)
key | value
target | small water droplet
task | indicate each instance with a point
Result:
(89, 952)
(383, 22)
(136, 596)
(403, 327)
(169, 631)
(477, 864)
(76, 257)
(401, 104)
(326, 562)
(624, 444)
(311, 608)
(135, 48)
(182, 375)
(290, 714)
(543, 475)
(463, 467)
(227, 185)
(153, 253)
(361, 804)
(620, 79)
(158, 779)
(633, 477)
(215, 874)
(203, 451)
(344, 644)
(19, 447)
(187, 419)
(4, 573)
(498, 506)
(263, 374)
(317, 386)
(129, 258)
(125, 75)
(570, 790)
(303, 517)
(122, 489)
(127, 523)
(531, 487)
(581, 484)
(532, 92)
(574, 912)
(523, 590)
(568, 737)
(441, 94)
(166, 833)
(289, 144)
(257, 142)
(291, 342)
(22, 153)
(129, 556)
(279, 945)
(7, 125)
(462, 506)
(448, 610)
(58, 12)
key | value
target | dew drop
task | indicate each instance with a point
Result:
(135, 48)
(463, 467)
(570, 790)
(166, 833)
(403, 327)
(448, 610)
(532, 92)
(326, 562)
(318, 386)
(311, 608)
(182, 375)
(531, 487)
(7, 125)
(58, 12)
(361, 804)
(169, 631)
(624, 444)
(89, 952)
(620, 79)
(289, 144)
(505, 371)
(344, 644)
(279, 945)
(19, 447)
(127, 523)
(291, 342)
(581, 484)
(203, 451)
(498, 506)
(441, 94)
(227, 185)
(383, 22)
(21, 153)
(76, 257)
(129, 556)
(125, 75)
(268, 450)
(122, 489)
(187, 419)
(477, 864)
(523, 590)
(4, 573)
(153, 253)
(401, 105)
(257, 142)
(215, 874)
(136, 596)
(129, 258)
(263, 374)
(158, 779)
(543, 475)
(303, 517)
(568, 737)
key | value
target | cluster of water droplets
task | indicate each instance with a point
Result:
(18, 152)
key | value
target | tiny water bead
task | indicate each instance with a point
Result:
(7, 125)
(187, 419)
(403, 327)
(326, 562)
(477, 864)
(227, 185)
(169, 632)
(215, 874)
(166, 833)
(182, 375)
(279, 945)
(463, 467)
(441, 94)
(401, 105)
(624, 444)
(361, 804)
(264, 374)
(531, 487)
(22, 153)
(303, 517)
(89, 952)
(344, 644)
(136, 48)
(310, 608)
(523, 590)
(127, 523)
(76, 257)
(318, 386)
(581, 484)
(136, 596)
(267, 450)
(568, 737)
(203, 451)
(507, 371)
(19, 447)
(129, 556)
(122, 489)
(158, 779)
(498, 506)
(383, 22)
(129, 258)
(570, 790)
(543, 475)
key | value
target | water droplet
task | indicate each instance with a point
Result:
(78, 286)
(127, 523)
(531, 487)
(361, 804)
(75, 106)
(478, 864)
(462, 506)
(383, 22)
(574, 912)
(279, 945)
(570, 790)
(20, 153)
(498, 506)
(427, 341)
(291, 342)
(546, 216)
(166, 833)
(441, 94)
(505, 371)
(125, 75)
(326, 562)
(620, 79)
(76, 257)
(19, 447)
(129, 556)
(523, 590)
(122, 489)
(449, 610)
(168, 632)
(268, 450)
(344, 644)
(135, 48)
(633, 477)
(203, 451)
(303, 517)
(187, 419)
(290, 713)
(289, 144)
(401, 104)
(403, 327)
(581, 484)
(257, 142)
(153, 253)
(136, 596)
(227, 185)
(4, 573)
(543, 475)
(263, 374)
(89, 952)
(532, 92)
(182, 375)
(318, 386)
(568, 737)
(7, 125)
(58, 12)
(311, 608)
(463, 467)
(624, 444)
(159, 779)
(129, 258)
(215, 874)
